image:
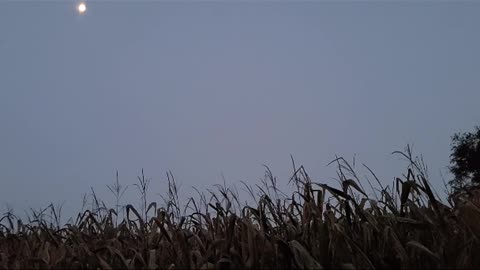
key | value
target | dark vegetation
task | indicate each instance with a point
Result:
(465, 159)
(403, 225)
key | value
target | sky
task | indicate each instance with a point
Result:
(213, 90)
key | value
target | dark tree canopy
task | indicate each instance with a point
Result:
(465, 160)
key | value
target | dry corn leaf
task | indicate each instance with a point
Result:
(302, 257)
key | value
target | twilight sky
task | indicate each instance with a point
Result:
(207, 88)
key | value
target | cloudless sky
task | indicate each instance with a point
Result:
(211, 88)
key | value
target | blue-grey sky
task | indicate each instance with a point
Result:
(205, 88)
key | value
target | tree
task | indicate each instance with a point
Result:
(465, 160)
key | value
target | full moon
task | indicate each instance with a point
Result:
(82, 8)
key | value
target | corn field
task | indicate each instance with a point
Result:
(400, 226)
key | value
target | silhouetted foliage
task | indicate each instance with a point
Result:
(399, 226)
(465, 160)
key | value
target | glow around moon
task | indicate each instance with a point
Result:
(82, 8)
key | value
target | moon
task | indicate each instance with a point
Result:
(82, 8)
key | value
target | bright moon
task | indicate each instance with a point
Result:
(82, 8)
